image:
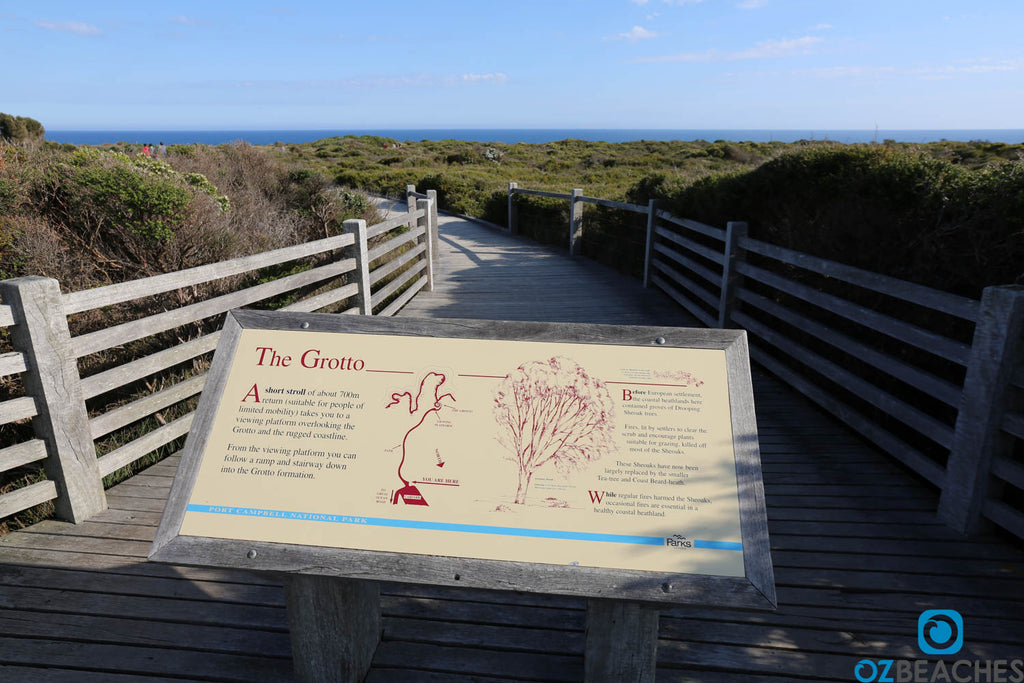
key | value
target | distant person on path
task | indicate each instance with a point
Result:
(145, 150)
(161, 150)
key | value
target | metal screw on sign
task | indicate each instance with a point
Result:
(304, 326)
(251, 554)
(667, 587)
(659, 341)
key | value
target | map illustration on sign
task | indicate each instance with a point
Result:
(552, 412)
(428, 401)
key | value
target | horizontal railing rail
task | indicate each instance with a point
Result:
(908, 367)
(89, 427)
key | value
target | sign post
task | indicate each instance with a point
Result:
(611, 462)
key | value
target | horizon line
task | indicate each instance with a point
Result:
(472, 128)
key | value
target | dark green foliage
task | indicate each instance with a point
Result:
(92, 192)
(896, 211)
(545, 220)
(20, 129)
(459, 193)
(310, 191)
(182, 150)
(122, 211)
(353, 205)
(496, 208)
(148, 207)
(8, 196)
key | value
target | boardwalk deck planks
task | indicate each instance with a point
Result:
(137, 621)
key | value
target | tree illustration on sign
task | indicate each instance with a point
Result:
(552, 412)
(428, 400)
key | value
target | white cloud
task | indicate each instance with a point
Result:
(752, 4)
(846, 72)
(822, 27)
(982, 66)
(927, 72)
(182, 20)
(77, 27)
(778, 48)
(763, 50)
(635, 34)
(678, 2)
(497, 77)
(366, 82)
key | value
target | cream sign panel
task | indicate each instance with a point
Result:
(555, 453)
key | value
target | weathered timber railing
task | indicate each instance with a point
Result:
(934, 379)
(371, 270)
(412, 197)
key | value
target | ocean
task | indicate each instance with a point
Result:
(528, 135)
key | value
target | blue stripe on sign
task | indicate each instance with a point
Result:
(433, 526)
(445, 526)
(717, 545)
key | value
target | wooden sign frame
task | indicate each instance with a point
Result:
(754, 590)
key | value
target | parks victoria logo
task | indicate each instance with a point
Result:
(678, 541)
(940, 632)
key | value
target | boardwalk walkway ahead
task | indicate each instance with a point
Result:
(857, 550)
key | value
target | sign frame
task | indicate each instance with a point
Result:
(755, 590)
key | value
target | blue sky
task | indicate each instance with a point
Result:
(781, 64)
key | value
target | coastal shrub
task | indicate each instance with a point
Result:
(182, 150)
(898, 211)
(495, 208)
(326, 206)
(460, 193)
(122, 210)
(543, 219)
(20, 129)
(8, 196)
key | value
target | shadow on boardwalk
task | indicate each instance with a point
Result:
(483, 273)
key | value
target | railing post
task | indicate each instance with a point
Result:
(360, 250)
(41, 333)
(428, 239)
(410, 200)
(575, 222)
(652, 223)
(734, 231)
(513, 210)
(995, 350)
(435, 236)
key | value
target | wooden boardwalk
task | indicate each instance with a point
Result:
(485, 274)
(857, 549)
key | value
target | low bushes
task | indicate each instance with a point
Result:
(896, 211)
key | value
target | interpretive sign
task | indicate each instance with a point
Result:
(603, 461)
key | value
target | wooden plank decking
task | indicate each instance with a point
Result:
(857, 550)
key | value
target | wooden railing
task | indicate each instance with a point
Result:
(371, 270)
(934, 379)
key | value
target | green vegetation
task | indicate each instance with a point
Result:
(472, 177)
(949, 215)
(20, 130)
(945, 214)
(94, 216)
(905, 212)
(90, 217)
